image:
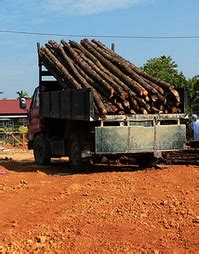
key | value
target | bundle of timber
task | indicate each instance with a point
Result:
(185, 157)
(119, 87)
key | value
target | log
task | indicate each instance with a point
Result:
(82, 80)
(59, 66)
(88, 70)
(115, 86)
(50, 67)
(155, 88)
(111, 109)
(125, 68)
(90, 81)
(159, 82)
(121, 60)
(95, 60)
(100, 106)
(100, 66)
(101, 109)
(156, 81)
(154, 98)
(68, 62)
(128, 81)
(132, 111)
(118, 86)
(125, 62)
(143, 111)
(76, 45)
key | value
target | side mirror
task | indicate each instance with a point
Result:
(22, 103)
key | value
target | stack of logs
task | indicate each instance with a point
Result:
(119, 87)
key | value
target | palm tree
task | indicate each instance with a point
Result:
(22, 94)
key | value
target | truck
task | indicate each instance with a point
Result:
(63, 123)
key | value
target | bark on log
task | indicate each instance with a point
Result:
(101, 109)
(125, 68)
(100, 66)
(127, 80)
(50, 67)
(162, 84)
(118, 86)
(120, 60)
(115, 86)
(82, 80)
(88, 70)
(91, 82)
(58, 64)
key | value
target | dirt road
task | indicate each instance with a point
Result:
(105, 209)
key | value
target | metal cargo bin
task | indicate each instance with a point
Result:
(169, 137)
(139, 139)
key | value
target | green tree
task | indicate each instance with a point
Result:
(22, 94)
(165, 68)
(192, 87)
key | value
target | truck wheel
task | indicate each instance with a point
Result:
(41, 150)
(74, 150)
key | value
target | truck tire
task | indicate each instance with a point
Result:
(41, 148)
(74, 149)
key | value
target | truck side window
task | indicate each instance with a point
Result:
(36, 98)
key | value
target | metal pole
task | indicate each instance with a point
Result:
(113, 46)
(24, 140)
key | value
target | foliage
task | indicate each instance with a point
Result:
(23, 129)
(192, 87)
(165, 69)
(22, 94)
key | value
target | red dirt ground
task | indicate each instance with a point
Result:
(105, 209)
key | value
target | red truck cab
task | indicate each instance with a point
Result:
(34, 121)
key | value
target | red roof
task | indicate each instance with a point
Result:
(11, 107)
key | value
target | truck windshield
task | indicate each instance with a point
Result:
(36, 98)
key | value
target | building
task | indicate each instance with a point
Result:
(11, 116)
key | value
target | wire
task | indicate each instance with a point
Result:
(102, 36)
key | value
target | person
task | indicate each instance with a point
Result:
(195, 127)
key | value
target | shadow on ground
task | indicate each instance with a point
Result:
(62, 167)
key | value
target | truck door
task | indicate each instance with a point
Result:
(34, 119)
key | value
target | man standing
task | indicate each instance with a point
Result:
(195, 127)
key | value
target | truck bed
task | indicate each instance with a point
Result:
(116, 134)
(79, 105)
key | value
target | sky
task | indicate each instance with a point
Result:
(18, 54)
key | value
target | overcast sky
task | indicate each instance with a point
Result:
(18, 61)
